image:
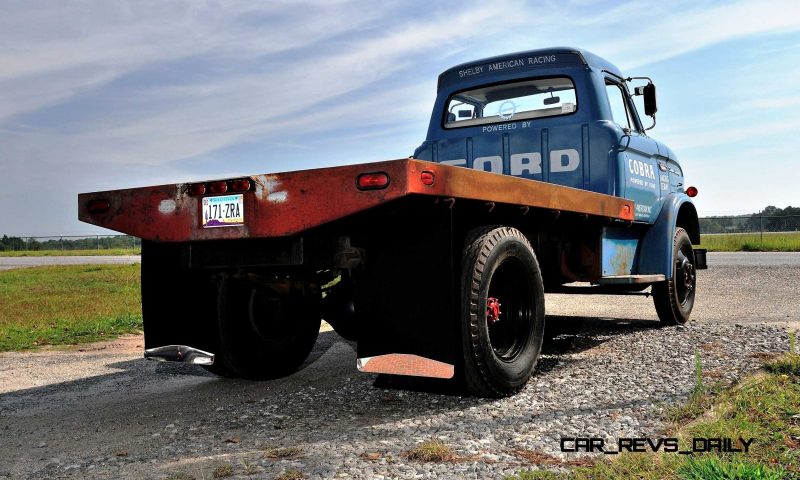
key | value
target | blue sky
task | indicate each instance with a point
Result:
(112, 94)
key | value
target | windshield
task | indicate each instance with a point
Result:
(507, 102)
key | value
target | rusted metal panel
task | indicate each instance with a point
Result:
(619, 251)
(284, 204)
(405, 364)
(280, 204)
(466, 183)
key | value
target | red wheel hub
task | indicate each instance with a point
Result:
(492, 310)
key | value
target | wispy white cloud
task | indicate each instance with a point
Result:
(52, 54)
(702, 135)
(185, 120)
(656, 32)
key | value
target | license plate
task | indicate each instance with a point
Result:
(224, 211)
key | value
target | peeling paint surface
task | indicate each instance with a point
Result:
(266, 185)
(167, 206)
(277, 197)
(619, 252)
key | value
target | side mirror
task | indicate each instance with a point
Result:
(649, 92)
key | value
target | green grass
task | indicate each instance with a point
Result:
(70, 253)
(716, 468)
(752, 242)
(59, 305)
(765, 407)
(786, 365)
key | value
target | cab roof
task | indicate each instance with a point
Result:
(530, 59)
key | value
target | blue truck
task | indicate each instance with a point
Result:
(537, 175)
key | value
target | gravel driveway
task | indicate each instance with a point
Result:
(104, 412)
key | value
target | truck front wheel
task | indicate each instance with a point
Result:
(263, 334)
(674, 298)
(502, 308)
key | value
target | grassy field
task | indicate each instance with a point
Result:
(764, 407)
(752, 242)
(68, 304)
(57, 253)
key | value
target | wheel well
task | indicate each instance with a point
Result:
(687, 219)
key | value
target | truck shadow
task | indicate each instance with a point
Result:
(566, 335)
(572, 335)
(563, 335)
(322, 402)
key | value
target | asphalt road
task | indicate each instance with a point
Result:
(759, 259)
(743, 287)
(7, 263)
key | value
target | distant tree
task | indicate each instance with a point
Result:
(11, 243)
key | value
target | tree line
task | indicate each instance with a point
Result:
(771, 219)
(61, 243)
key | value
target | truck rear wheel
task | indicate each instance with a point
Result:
(263, 334)
(674, 298)
(502, 308)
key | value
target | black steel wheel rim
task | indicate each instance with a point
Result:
(510, 284)
(268, 317)
(685, 274)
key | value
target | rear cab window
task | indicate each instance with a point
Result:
(511, 101)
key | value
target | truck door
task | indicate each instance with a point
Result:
(638, 167)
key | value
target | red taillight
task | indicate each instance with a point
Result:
(372, 181)
(240, 185)
(691, 191)
(98, 206)
(427, 178)
(218, 187)
(196, 189)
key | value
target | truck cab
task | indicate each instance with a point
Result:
(562, 116)
(568, 117)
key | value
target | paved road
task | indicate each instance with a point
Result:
(762, 259)
(741, 287)
(7, 263)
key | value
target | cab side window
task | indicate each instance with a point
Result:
(619, 109)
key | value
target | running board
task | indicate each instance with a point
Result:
(631, 279)
(179, 353)
(405, 364)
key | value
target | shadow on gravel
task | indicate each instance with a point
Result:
(326, 401)
(324, 342)
(139, 368)
(563, 335)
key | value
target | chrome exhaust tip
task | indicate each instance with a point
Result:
(181, 354)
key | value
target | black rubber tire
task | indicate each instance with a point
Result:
(499, 359)
(674, 298)
(263, 335)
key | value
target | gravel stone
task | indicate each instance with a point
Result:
(614, 377)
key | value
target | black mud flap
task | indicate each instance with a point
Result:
(179, 304)
(406, 308)
(700, 259)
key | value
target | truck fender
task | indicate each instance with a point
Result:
(655, 252)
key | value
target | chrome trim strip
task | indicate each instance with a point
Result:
(179, 353)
